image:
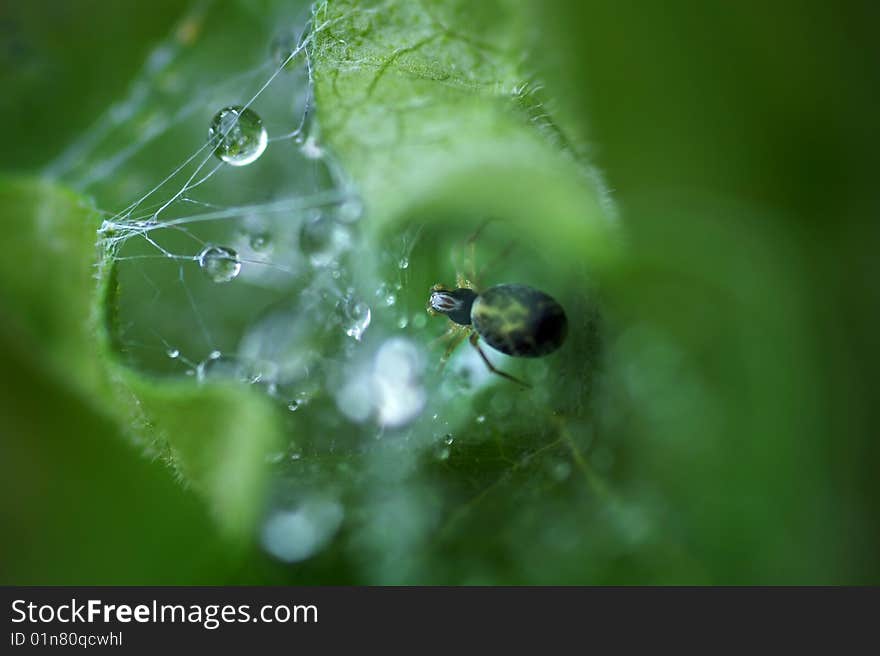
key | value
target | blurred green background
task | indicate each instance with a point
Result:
(738, 387)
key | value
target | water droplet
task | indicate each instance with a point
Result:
(239, 135)
(219, 263)
(260, 241)
(355, 399)
(311, 148)
(214, 355)
(449, 440)
(217, 368)
(322, 240)
(404, 263)
(350, 210)
(294, 535)
(356, 317)
(403, 322)
(396, 372)
(481, 419)
(390, 300)
(298, 402)
(173, 353)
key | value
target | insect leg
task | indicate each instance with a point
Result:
(451, 331)
(474, 342)
(458, 333)
(471, 252)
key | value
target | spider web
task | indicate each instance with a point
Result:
(308, 309)
(309, 314)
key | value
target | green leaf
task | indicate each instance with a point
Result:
(59, 299)
(429, 107)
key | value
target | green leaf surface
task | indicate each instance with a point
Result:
(60, 300)
(429, 107)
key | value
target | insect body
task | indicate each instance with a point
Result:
(519, 320)
(515, 319)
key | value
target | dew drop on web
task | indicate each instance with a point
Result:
(261, 241)
(356, 317)
(350, 210)
(238, 135)
(219, 263)
(217, 367)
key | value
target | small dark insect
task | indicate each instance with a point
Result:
(515, 319)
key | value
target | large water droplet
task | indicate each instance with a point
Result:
(355, 399)
(396, 375)
(356, 317)
(294, 535)
(404, 263)
(239, 135)
(220, 264)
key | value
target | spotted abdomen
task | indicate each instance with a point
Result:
(519, 320)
